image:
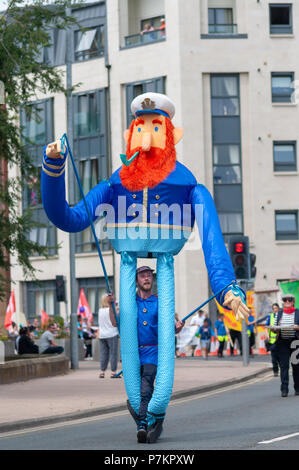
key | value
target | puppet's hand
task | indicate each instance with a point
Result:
(236, 304)
(53, 150)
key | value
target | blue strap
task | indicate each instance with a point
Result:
(209, 299)
(238, 292)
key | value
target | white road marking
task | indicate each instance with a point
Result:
(125, 412)
(282, 438)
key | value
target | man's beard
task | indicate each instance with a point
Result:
(149, 168)
(145, 287)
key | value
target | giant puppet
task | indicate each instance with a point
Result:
(151, 203)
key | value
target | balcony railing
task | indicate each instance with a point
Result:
(223, 28)
(145, 38)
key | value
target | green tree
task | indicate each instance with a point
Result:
(24, 32)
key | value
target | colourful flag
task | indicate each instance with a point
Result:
(291, 287)
(83, 307)
(10, 311)
(44, 318)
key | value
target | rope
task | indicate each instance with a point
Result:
(65, 144)
(211, 298)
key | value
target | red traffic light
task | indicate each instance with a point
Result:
(239, 247)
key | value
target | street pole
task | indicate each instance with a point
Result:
(73, 283)
(245, 339)
(245, 344)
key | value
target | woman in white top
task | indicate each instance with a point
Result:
(108, 336)
(196, 322)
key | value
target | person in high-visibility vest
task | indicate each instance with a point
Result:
(221, 334)
(272, 339)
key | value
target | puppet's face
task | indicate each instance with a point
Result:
(154, 137)
(149, 131)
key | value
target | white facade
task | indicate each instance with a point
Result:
(186, 59)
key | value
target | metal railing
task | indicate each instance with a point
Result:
(145, 38)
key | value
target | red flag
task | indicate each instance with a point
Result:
(83, 307)
(10, 311)
(44, 318)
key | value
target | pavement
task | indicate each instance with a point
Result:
(81, 393)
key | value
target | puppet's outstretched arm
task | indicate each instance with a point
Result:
(218, 263)
(54, 201)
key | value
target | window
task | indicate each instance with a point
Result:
(226, 142)
(226, 168)
(89, 44)
(285, 156)
(282, 88)
(286, 225)
(225, 99)
(90, 148)
(41, 295)
(156, 85)
(94, 288)
(221, 21)
(37, 124)
(281, 19)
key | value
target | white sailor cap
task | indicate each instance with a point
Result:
(155, 103)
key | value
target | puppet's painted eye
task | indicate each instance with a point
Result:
(156, 129)
(139, 129)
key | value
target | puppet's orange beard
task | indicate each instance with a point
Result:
(149, 168)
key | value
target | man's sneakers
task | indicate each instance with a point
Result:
(155, 431)
(284, 394)
(142, 433)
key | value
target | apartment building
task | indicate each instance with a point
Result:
(230, 66)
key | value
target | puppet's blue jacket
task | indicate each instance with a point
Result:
(148, 222)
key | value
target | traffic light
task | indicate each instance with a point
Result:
(238, 247)
(60, 289)
(252, 265)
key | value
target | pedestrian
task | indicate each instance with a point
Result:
(220, 332)
(88, 336)
(271, 344)
(108, 337)
(196, 321)
(79, 323)
(25, 343)
(288, 320)
(251, 332)
(235, 335)
(147, 324)
(205, 333)
(47, 344)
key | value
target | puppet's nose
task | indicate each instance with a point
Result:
(146, 141)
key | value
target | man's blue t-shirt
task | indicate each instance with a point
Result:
(148, 329)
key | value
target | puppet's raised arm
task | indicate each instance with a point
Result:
(54, 201)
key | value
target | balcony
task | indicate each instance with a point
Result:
(145, 38)
(141, 22)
